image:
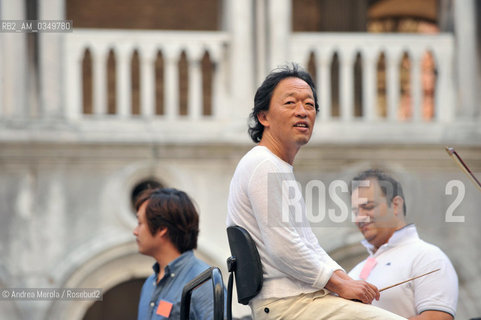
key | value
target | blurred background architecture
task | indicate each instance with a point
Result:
(158, 92)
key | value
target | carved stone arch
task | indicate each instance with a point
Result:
(89, 267)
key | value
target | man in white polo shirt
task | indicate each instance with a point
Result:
(396, 253)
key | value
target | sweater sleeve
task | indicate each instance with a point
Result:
(287, 237)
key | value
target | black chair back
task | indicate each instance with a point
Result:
(245, 264)
(218, 287)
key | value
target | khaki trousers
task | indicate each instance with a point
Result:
(317, 306)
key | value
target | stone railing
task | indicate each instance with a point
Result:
(141, 85)
(110, 55)
(392, 77)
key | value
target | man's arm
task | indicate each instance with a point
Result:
(432, 315)
(280, 216)
(437, 293)
(348, 288)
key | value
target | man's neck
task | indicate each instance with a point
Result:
(164, 258)
(399, 226)
(283, 153)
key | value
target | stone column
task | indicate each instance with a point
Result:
(13, 61)
(239, 20)
(51, 65)
(261, 40)
(466, 59)
(280, 28)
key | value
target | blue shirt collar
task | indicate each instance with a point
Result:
(175, 265)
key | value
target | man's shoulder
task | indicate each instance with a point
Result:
(411, 241)
(199, 265)
(254, 155)
(193, 266)
(261, 157)
(421, 250)
(426, 247)
(205, 290)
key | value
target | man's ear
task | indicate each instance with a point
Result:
(262, 117)
(162, 232)
(397, 203)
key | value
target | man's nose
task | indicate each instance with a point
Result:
(361, 216)
(301, 110)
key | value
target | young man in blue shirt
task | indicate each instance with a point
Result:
(167, 230)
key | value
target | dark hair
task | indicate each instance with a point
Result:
(389, 186)
(263, 95)
(172, 209)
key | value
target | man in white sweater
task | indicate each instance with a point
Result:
(301, 281)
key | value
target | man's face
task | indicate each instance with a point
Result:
(292, 113)
(375, 217)
(146, 242)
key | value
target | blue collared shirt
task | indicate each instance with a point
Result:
(169, 290)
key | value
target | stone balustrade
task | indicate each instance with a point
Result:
(427, 59)
(122, 45)
(401, 83)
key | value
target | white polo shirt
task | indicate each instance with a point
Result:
(406, 256)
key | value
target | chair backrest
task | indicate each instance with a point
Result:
(248, 267)
(214, 274)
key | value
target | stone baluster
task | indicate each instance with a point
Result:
(393, 58)
(444, 98)
(215, 55)
(73, 68)
(369, 73)
(171, 82)
(147, 81)
(194, 57)
(416, 85)
(323, 62)
(346, 93)
(99, 84)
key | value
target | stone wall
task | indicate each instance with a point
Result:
(68, 220)
(145, 14)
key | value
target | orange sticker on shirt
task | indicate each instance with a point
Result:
(368, 266)
(164, 308)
